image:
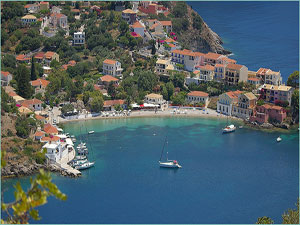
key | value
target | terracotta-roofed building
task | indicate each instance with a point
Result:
(112, 67)
(268, 113)
(49, 129)
(253, 80)
(105, 80)
(39, 57)
(70, 63)
(226, 101)
(49, 56)
(22, 58)
(212, 58)
(245, 105)
(39, 85)
(40, 118)
(24, 110)
(110, 105)
(129, 16)
(188, 58)
(138, 28)
(33, 104)
(268, 76)
(6, 77)
(59, 20)
(32, 8)
(39, 135)
(273, 93)
(156, 99)
(197, 97)
(235, 73)
(167, 25)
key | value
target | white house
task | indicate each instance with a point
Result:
(112, 67)
(138, 28)
(197, 97)
(33, 104)
(28, 19)
(6, 77)
(155, 99)
(188, 58)
(79, 38)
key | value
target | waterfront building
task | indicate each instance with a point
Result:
(110, 105)
(33, 104)
(79, 38)
(156, 99)
(245, 105)
(212, 58)
(129, 16)
(268, 76)
(273, 93)
(235, 73)
(197, 97)
(188, 58)
(112, 67)
(268, 113)
(50, 129)
(253, 80)
(6, 77)
(226, 101)
(39, 86)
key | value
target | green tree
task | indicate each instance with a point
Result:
(111, 90)
(260, 102)
(33, 70)
(179, 99)
(67, 108)
(293, 79)
(295, 106)
(291, 216)
(96, 104)
(23, 78)
(153, 50)
(264, 220)
(170, 89)
(164, 92)
(86, 53)
(54, 64)
(9, 61)
(178, 79)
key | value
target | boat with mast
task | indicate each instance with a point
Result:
(229, 128)
(168, 163)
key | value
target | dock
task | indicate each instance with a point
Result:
(63, 164)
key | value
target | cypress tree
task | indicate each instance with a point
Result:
(153, 49)
(23, 78)
(33, 71)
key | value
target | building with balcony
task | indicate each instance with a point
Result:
(188, 58)
(268, 113)
(107, 79)
(28, 19)
(245, 105)
(112, 67)
(39, 86)
(226, 102)
(79, 38)
(50, 56)
(6, 77)
(206, 72)
(163, 67)
(268, 76)
(273, 93)
(235, 73)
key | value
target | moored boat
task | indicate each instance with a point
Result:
(278, 139)
(91, 132)
(230, 128)
(85, 166)
(168, 163)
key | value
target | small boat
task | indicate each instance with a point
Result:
(168, 163)
(91, 132)
(72, 136)
(79, 162)
(279, 139)
(85, 166)
(80, 157)
(228, 129)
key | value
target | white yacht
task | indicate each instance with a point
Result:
(229, 128)
(168, 163)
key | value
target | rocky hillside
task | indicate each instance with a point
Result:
(196, 34)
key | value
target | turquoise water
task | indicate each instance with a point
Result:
(232, 178)
(260, 34)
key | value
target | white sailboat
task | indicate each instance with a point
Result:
(91, 132)
(279, 139)
(229, 128)
(168, 163)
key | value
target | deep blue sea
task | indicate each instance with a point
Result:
(231, 178)
(260, 34)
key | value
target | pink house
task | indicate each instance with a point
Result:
(263, 113)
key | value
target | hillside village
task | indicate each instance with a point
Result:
(80, 59)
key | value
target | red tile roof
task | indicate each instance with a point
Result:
(206, 67)
(39, 55)
(22, 57)
(110, 61)
(108, 78)
(72, 62)
(49, 129)
(253, 79)
(5, 73)
(234, 94)
(12, 93)
(34, 101)
(39, 117)
(49, 55)
(234, 66)
(39, 82)
(113, 102)
(198, 93)
(212, 55)
(48, 139)
(137, 25)
(166, 23)
(39, 133)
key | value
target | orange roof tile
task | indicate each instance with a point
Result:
(34, 101)
(22, 57)
(108, 78)
(39, 133)
(5, 73)
(212, 55)
(206, 67)
(39, 117)
(198, 93)
(170, 40)
(229, 60)
(49, 129)
(254, 79)
(219, 65)
(109, 61)
(72, 62)
(113, 102)
(137, 25)
(172, 45)
(234, 66)
(49, 55)
(234, 94)
(39, 82)
(166, 23)
(12, 93)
